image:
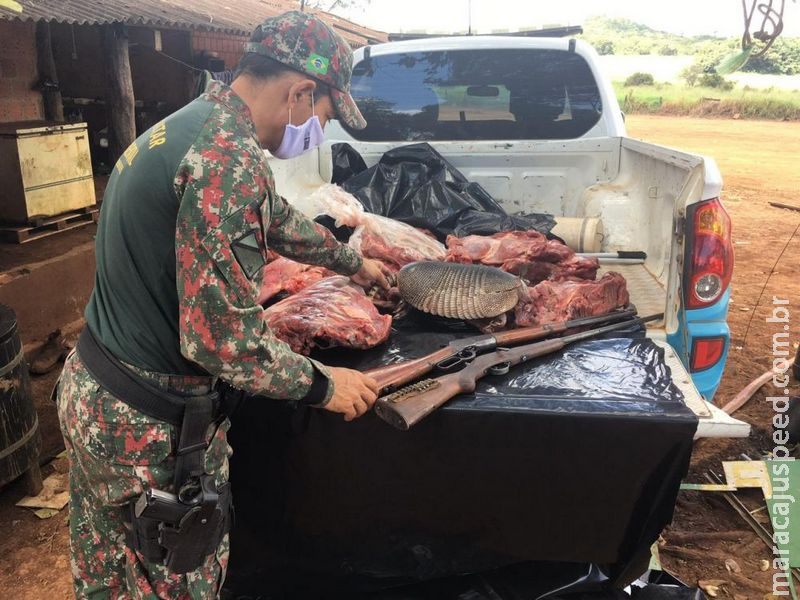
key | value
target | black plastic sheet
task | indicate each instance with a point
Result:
(584, 471)
(417, 185)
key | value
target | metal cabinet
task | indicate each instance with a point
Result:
(45, 170)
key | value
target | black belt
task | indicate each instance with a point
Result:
(191, 414)
(132, 389)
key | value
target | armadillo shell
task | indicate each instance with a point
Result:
(458, 291)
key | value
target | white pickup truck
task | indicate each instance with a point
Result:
(536, 122)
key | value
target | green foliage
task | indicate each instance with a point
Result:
(692, 73)
(604, 47)
(629, 37)
(715, 80)
(743, 103)
(623, 36)
(704, 75)
(782, 59)
(639, 78)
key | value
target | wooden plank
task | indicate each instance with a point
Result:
(788, 206)
(47, 227)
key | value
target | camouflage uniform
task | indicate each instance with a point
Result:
(115, 453)
(187, 217)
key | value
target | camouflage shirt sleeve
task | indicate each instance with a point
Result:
(220, 250)
(295, 236)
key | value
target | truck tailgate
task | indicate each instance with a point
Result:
(713, 422)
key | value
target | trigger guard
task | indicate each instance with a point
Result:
(501, 369)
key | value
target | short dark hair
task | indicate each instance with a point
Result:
(262, 67)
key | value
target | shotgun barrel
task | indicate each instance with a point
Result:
(410, 405)
(459, 352)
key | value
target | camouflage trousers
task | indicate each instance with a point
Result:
(115, 453)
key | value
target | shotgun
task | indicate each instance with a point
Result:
(459, 352)
(408, 406)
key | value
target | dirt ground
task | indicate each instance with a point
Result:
(758, 160)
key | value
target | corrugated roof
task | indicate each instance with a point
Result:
(230, 16)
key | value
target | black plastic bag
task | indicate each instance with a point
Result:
(347, 162)
(416, 185)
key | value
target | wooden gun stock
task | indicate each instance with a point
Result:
(391, 377)
(408, 406)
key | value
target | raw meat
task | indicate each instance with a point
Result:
(392, 242)
(332, 312)
(393, 246)
(552, 301)
(496, 249)
(534, 271)
(528, 254)
(286, 275)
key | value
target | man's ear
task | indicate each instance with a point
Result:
(303, 87)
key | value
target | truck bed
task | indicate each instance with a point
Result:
(649, 297)
(646, 292)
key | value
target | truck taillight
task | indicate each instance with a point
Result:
(711, 254)
(706, 352)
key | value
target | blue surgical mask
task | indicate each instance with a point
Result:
(298, 139)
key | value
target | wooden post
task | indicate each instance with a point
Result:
(48, 79)
(120, 100)
(33, 478)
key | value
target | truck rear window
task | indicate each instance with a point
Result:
(486, 94)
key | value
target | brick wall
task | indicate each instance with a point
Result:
(225, 47)
(18, 73)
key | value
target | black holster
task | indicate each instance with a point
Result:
(180, 529)
(178, 535)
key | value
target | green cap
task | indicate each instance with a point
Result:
(306, 44)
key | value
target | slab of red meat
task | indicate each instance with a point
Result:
(332, 312)
(496, 249)
(553, 301)
(286, 275)
(533, 271)
(393, 245)
(528, 254)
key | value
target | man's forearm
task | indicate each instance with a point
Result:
(293, 235)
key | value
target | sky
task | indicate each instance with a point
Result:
(686, 17)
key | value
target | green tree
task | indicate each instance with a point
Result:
(639, 78)
(692, 73)
(715, 80)
(604, 47)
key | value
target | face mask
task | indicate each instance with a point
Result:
(298, 139)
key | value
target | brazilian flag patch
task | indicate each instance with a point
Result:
(317, 64)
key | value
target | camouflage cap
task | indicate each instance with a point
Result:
(306, 44)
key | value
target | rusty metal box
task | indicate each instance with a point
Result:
(45, 170)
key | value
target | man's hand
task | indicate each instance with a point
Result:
(353, 393)
(372, 272)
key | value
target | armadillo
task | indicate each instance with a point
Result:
(459, 291)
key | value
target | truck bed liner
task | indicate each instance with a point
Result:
(646, 292)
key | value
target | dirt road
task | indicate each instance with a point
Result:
(758, 160)
(759, 164)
